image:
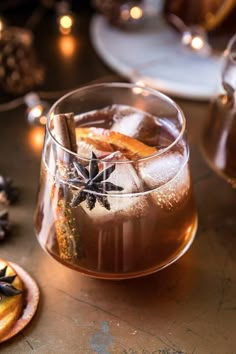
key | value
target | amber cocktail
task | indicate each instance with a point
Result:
(117, 202)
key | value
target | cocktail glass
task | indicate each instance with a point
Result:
(117, 203)
(219, 134)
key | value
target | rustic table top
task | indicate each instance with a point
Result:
(188, 308)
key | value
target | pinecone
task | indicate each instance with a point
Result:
(19, 70)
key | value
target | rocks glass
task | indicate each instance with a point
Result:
(115, 198)
(219, 135)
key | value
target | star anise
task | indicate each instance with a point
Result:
(4, 224)
(6, 287)
(92, 183)
(8, 193)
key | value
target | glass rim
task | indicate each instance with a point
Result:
(228, 52)
(119, 85)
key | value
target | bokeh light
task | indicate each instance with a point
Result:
(67, 46)
(66, 24)
(136, 12)
(36, 138)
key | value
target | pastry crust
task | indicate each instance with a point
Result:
(10, 307)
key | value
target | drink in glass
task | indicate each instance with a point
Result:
(118, 203)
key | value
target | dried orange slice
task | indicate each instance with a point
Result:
(130, 147)
(10, 307)
(17, 311)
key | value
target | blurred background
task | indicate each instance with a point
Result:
(166, 37)
(48, 48)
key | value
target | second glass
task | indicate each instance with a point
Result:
(219, 133)
(120, 205)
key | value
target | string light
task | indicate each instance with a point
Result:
(196, 40)
(130, 14)
(197, 43)
(136, 12)
(66, 24)
(193, 38)
(37, 109)
(65, 18)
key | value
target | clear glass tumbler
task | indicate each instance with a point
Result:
(118, 202)
(219, 133)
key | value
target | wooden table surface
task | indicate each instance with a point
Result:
(188, 308)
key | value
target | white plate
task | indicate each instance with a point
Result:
(155, 56)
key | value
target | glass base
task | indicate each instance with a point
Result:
(130, 275)
(215, 169)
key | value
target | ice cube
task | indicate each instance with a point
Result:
(136, 124)
(168, 176)
(125, 174)
(126, 177)
(158, 170)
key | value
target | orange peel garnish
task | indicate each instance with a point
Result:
(130, 147)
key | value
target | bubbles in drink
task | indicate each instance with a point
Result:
(171, 194)
(160, 169)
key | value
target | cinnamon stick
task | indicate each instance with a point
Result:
(64, 125)
(66, 231)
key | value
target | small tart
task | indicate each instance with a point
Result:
(17, 311)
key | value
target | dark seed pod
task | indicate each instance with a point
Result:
(8, 193)
(6, 287)
(92, 183)
(8, 279)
